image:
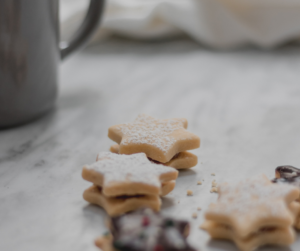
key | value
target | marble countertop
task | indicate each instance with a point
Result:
(243, 104)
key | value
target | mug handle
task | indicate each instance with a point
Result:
(86, 29)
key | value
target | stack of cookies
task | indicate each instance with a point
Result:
(164, 141)
(253, 213)
(122, 183)
(131, 176)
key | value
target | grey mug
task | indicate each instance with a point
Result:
(30, 55)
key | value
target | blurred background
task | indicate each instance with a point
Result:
(214, 23)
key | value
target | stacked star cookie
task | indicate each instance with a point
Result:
(122, 183)
(164, 141)
(131, 176)
(253, 213)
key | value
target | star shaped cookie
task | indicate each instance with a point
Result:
(250, 207)
(160, 139)
(115, 206)
(182, 160)
(119, 174)
(264, 236)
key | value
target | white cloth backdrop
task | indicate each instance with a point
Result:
(217, 23)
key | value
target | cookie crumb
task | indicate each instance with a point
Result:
(214, 190)
(213, 174)
(194, 215)
(199, 183)
(189, 192)
(198, 208)
(214, 184)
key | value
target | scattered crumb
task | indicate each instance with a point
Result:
(213, 174)
(189, 192)
(199, 183)
(198, 208)
(214, 184)
(214, 190)
(194, 215)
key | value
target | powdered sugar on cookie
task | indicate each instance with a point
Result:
(148, 130)
(128, 168)
(254, 198)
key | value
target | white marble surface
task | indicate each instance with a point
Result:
(244, 105)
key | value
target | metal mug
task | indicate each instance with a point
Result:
(30, 55)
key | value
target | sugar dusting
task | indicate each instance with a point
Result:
(253, 198)
(129, 168)
(151, 131)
